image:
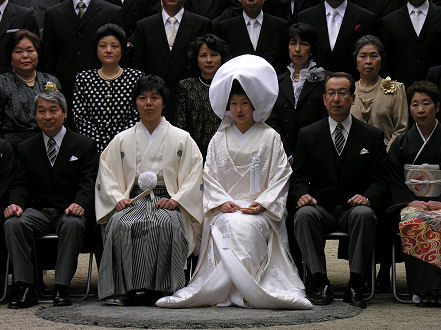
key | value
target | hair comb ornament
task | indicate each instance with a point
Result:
(50, 86)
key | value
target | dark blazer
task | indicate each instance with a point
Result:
(39, 7)
(37, 184)
(333, 180)
(272, 44)
(282, 8)
(68, 41)
(434, 75)
(153, 56)
(212, 8)
(410, 56)
(356, 22)
(14, 18)
(380, 8)
(134, 10)
(287, 119)
(7, 170)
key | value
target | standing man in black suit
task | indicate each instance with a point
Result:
(161, 45)
(134, 10)
(69, 29)
(13, 18)
(338, 182)
(411, 36)
(339, 24)
(53, 190)
(256, 33)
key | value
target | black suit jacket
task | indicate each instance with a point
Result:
(134, 10)
(356, 22)
(380, 8)
(212, 8)
(14, 18)
(39, 7)
(272, 44)
(410, 56)
(282, 8)
(287, 119)
(68, 41)
(152, 54)
(37, 184)
(434, 75)
(316, 172)
(7, 170)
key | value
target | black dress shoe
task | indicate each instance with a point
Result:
(321, 295)
(27, 297)
(354, 297)
(62, 297)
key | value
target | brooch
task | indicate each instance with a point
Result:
(389, 86)
(179, 153)
(50, 86)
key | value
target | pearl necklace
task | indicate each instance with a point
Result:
(26, 81)
(207, 85)
(117, 75)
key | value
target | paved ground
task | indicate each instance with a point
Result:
(382, 312)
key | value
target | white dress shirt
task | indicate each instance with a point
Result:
(2, 9)
(338, 20)
(415, 17)
(75, 3)
(346, 128)
(254, 31)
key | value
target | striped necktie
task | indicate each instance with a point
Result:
(81, 5)
(339, 138)
(51, 151)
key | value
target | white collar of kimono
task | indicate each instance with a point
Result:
(258, 79)
(424, 139)
(242, 137)
(150, 136)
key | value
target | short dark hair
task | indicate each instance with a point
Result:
(18, 36)
(426, 87)
(305, 32)
(342, 75)
(150, 83)
(370, 40)
(214, 43)
(113, 30)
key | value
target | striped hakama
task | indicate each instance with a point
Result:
(145, 248)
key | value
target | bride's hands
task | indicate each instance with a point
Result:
(254, 208)
(229, 207)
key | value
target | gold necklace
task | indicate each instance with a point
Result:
(26, 81)
(117, 75)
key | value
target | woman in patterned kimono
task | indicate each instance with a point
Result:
(415, 159)
(244, 259)
(147, 241)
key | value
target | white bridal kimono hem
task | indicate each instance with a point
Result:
(244, 260)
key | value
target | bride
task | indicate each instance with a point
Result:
(244, 260)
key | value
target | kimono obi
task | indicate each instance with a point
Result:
(423, 180)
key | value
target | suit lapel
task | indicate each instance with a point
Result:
(161, 40)
(265, 36)
(327, 151)
(182, 39)
(69, 13)
(322, 29)
(406, 23)
(286, 87)
(43, 163)
(90, 13)
(63, 156)
(242, 34)
(350, 21)
(306, 90)
(352, 148)
(7, 19)
(432, 17)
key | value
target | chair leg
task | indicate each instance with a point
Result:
(5, 284)
(89, 276)
(373, 274)
(397, 296)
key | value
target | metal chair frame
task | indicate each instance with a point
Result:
(398, 297)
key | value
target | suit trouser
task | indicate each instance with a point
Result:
(312, 222)
(20, 232)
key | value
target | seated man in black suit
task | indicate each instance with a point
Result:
(53, 191)
(256, 33)
(338, 182)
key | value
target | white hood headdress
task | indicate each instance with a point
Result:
(258, 79)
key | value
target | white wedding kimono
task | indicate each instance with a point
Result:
(244, 259)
